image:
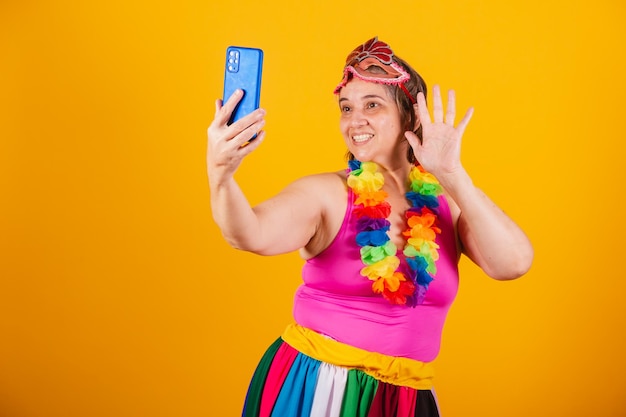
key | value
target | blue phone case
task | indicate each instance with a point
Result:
(243, 71)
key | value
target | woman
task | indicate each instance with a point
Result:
(381, 242)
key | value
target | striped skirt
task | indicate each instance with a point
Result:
(305, 374)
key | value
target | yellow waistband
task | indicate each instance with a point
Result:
(393, 370)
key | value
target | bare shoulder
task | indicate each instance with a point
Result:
(329, 191)
(325, 190)
(319, 189)
(327, 181)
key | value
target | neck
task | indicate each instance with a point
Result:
(395, 166)
(395, 174)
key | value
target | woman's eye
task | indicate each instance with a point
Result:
(372, 105)
(345, 109)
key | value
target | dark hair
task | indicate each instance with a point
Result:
(414, 85)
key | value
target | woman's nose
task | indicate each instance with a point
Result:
(358, 120)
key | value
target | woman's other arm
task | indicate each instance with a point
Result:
(488, 236)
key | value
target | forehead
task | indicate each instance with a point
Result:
(357, 89)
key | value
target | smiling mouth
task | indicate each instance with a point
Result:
(361, 138)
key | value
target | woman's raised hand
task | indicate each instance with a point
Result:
(229, 144)
(439, 151)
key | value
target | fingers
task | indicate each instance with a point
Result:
(250, 145)
(421, 109)
(218, 106)
(223, 111)
(413, 139)
(220, 129)
(438, 111)
(463, 123)
(239, 134)
(248, 134)
(451, 109)
(437, 105)
(236, 136)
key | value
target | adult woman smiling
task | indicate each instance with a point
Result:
(381, 242)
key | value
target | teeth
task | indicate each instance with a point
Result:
(361, 138)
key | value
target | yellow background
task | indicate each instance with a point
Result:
(118, 296)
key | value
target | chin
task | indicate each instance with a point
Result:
(361, 154)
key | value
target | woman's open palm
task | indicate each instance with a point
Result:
(439, 151)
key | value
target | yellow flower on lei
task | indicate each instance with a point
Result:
(420, 174)
(368, 180)
(383, 268)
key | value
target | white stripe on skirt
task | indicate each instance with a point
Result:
(331, 384)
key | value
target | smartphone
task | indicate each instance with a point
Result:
(243, 68)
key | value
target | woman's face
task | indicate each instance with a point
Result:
(370, 122)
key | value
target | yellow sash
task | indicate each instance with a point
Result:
(393, 370)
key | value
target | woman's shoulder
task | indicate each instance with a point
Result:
(324, 181)
(328, 176)
(328, 191)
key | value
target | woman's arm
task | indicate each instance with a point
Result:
(281, 224)
(488, 236)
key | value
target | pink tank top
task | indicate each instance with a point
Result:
(335, 300)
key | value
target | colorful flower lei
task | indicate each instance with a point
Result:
(400, 284)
